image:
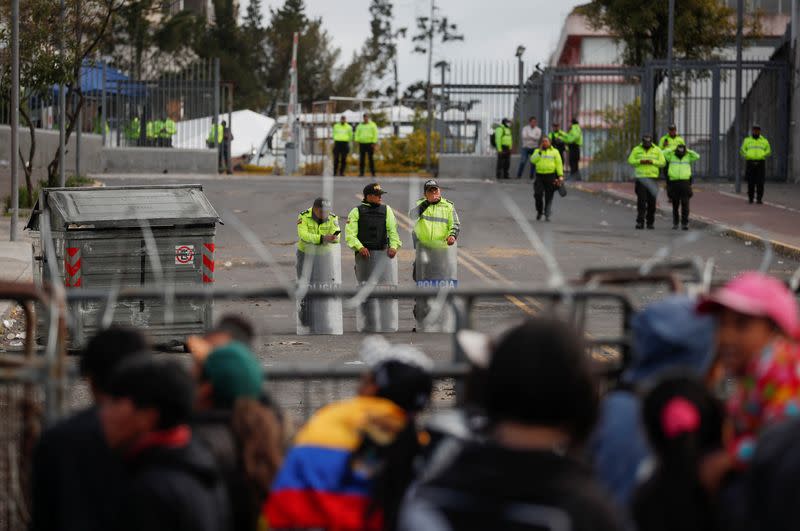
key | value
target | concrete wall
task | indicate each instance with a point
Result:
(159, 160)
(46, 147)
(473, 166)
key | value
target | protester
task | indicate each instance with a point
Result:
(172, 481)
(230, 328)
(541, 402)
(76, 479)
(244, 436)
(684, 425)
(667, 336)
(352, 461)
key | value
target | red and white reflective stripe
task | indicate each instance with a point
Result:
(72, 267)
(208, 263)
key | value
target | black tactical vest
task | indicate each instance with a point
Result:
(372, 227)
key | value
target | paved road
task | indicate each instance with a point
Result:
(586, 231)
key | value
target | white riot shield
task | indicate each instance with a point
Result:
(377, 315)
(435, 268)
(320, 267)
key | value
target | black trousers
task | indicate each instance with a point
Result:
(543, 190)
(340, 152)
(503, 164)
(366, 150)
(679, 193)
(646, 193)
(755, 173)
(574, 158)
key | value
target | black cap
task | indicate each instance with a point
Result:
(646, 137)
(431, 183)
(672, 127)
(373, 189)
(756, 126)
(322, 202)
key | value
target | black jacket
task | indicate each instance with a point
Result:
(174, 489)
(489, 487)
(77, 480)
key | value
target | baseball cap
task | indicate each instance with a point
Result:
(647, 137)
(756, 126)
(322, 202)
(758, 295)
(234, 373)
(401, 372)
(373, 189)
(431, 183)
(672, 127)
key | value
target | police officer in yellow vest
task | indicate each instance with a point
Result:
(168, 130)
(549, 175)
(503, 141)
(317, 230)
(574, 141)
(151, 131)
(366, 138)
(647, 160)
(679, 181)
(558, 140)
(342, 136)
(755, 150)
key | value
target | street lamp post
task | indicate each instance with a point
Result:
(520, 89)
(670, 45)
(738, 126)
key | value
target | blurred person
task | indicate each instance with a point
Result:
(671, 139)
(541, 404)
(76, 479)
(99, 126)
(756, 348)
(366, 137)
(574, 141)
(168, 131)
(353, 460)
(679, 182)
(667, 336)
(503, 140)
(558, 140)
(342, 136)
(230, 327)
(646, 160)
(683, 421)
(172, 481)
(531, 137)
(755, 150)
(244, 435)
(227, 140)
(549, 176)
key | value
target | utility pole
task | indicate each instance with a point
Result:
(14, 118)
(520, 89)
(443, 67)
(738, 128)
(292, 145)
(428, 154)
(670, 45)
(62, 109)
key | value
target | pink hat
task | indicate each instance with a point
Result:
(756, 294)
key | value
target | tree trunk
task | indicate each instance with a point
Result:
(27, 167)
(52, 168)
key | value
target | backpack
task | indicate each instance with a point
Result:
(492, 140)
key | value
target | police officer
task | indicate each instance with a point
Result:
(549, 175)
(366, 138)
(647, 160)
(168, 131)
(671, 139)
(679, 181)
(574, 141)
(317, 228)
(558, 140)
(755, 150)
(503, 141)
(342, 136)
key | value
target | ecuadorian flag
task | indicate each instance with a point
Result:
(320, 485)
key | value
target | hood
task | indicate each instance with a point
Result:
(193, 459)
(670, 335)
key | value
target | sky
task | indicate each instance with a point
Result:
(492, 29)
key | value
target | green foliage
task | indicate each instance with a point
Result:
(623, 132)
(27, 198)
(407, 153)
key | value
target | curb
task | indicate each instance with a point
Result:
(782, 248)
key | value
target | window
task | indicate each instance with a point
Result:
(600, 51)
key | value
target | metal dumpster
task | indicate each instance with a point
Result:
(101, 241)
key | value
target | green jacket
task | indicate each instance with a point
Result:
(216, 129)
(437, 222)
(574, 136)
(351, 230)
(168, 128)
(133, 129)
(98, 128)
(667, 141)
(647, 171)
(680, 169)
(310, 232)
(502, 137)
(153, 127)
(342, 132)
(367, 133)
(755, 148)
(548, 161)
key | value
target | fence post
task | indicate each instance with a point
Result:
(715, 118)
(547, 94)
(645, 125)
(216, 100)
(14, 118)
(783, 121)
(79, 119)
(103, 107)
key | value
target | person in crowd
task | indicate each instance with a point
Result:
(76, 479)
(244, 435)
(342, 136)
(353, 460)
(755, 150)
(541, 403)
(172, 481)
(671, 139)
(227, 141)
(667, 336)
(679, 182)
(366, 137)
(558, 140)
(647, 160)
(756, 347)
(503, 141)
(683, 421)
(531, 137)
(574, 141)
(549, 176)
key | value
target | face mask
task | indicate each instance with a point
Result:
(681, 151)
(647, 144)
(756, 134)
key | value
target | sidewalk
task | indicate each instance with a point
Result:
(717, 204)
(16, 259)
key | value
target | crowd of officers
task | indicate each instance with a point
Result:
(365, 135)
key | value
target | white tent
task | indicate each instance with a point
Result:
(248, 127)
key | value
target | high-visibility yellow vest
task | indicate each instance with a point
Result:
(342, 132)
(548, 161)
(647, 171)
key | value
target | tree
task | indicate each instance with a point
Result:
(380, 50)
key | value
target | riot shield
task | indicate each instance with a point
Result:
(435, 268)
(377, 315)
(319, 267)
